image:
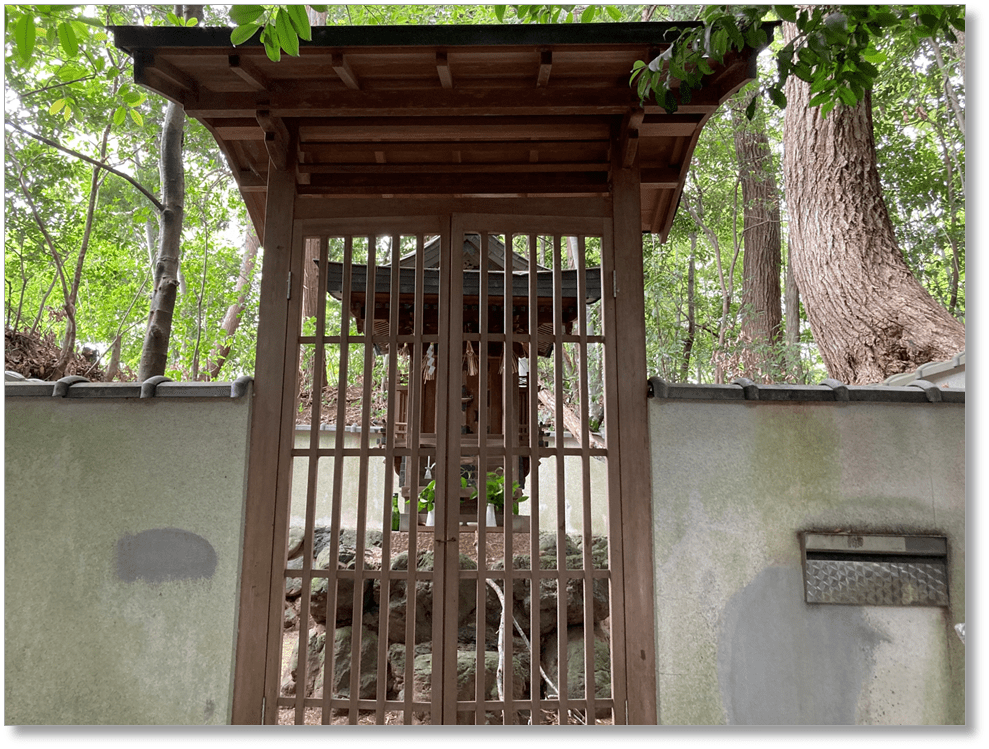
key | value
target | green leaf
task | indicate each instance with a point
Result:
(24, 34)
(287, 37)
(119, 115)
(616, 15)
(245, 14)
(300, 21)
(499, 11)
(820, 99)
(704, 67)
(588, 15)
(242, 33)
(136, 116)
(786, 12)
(174, 19)
(777, 97)
(191, 22)
(322, 8)
(750, 109)
(56, 106)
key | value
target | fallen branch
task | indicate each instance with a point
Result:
(570, 420)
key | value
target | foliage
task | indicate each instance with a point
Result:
(495, 488)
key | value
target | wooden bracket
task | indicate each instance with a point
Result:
(545, 67)
(629, 135)
(249, 72)
(343, 69)
(277, 139)
(443, 70)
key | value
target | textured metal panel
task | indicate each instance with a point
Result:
(876, 583)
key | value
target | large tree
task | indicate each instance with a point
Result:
(870, 317)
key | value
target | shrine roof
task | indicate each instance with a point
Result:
(438, 111)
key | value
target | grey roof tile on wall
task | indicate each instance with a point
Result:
(156, 387)
(830, 391)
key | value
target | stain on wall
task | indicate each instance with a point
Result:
(164, 554)
(782, 661)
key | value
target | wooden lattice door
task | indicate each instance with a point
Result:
(419, 372)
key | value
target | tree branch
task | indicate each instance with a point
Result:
(85, 158)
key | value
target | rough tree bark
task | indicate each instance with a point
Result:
(154, 353)
(870, 317)
(761, 310)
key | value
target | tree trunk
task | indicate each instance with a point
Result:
(761, 312)
(154, 353)
(792, 305)
(688, 341)
(231, 320)
(870, 317)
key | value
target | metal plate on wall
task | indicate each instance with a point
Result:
(867, 583)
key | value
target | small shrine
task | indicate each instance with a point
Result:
(482, 375)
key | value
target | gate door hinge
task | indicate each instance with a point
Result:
(288, 286)
(614, 281)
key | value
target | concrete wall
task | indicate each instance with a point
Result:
(123, 522)
(734, 482)
(572, 477)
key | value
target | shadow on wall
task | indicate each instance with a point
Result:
(783, 662)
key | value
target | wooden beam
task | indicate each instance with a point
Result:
(151, 77)
(457, 168)
(667, 126)
(344, 71)
(665, 178)
(321, 101)
(442, 149)
(249, 71)
(248, 181)
(545, 67)
(173, 74)
(474, 129)
(443, 70)
(456, 184)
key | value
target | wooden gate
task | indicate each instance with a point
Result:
(433, 471)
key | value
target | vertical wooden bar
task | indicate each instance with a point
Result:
(265, 528)
(308, 549)
(446, 569)
(585, 465)
(510, 434)
(535, 452)
(357, 630)
(561, 484)
(414, 413)
(389, 443)
(338, 468)
(483, 419)
(615, 526)
(634, 449)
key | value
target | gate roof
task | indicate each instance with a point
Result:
(457, 111)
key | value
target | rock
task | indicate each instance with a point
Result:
(345, 591)
(398, 593)
(295, 536)
(466, 682)
(367, 681)
(575, 665)
(314, 665)
(293, 585)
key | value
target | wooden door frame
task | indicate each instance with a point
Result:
(265, 529)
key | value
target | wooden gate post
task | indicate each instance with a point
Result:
(633, 449)
(259, 567)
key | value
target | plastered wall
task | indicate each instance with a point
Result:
(123, 521)
(733, 485)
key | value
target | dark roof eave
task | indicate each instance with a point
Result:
(131, 38)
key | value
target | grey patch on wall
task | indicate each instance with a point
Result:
(784, 662)
(164, 554)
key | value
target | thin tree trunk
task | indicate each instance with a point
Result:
(870, 317)
(688, 342)
(761, 312)
(154, 353)
(792, 302)
(231, 320)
